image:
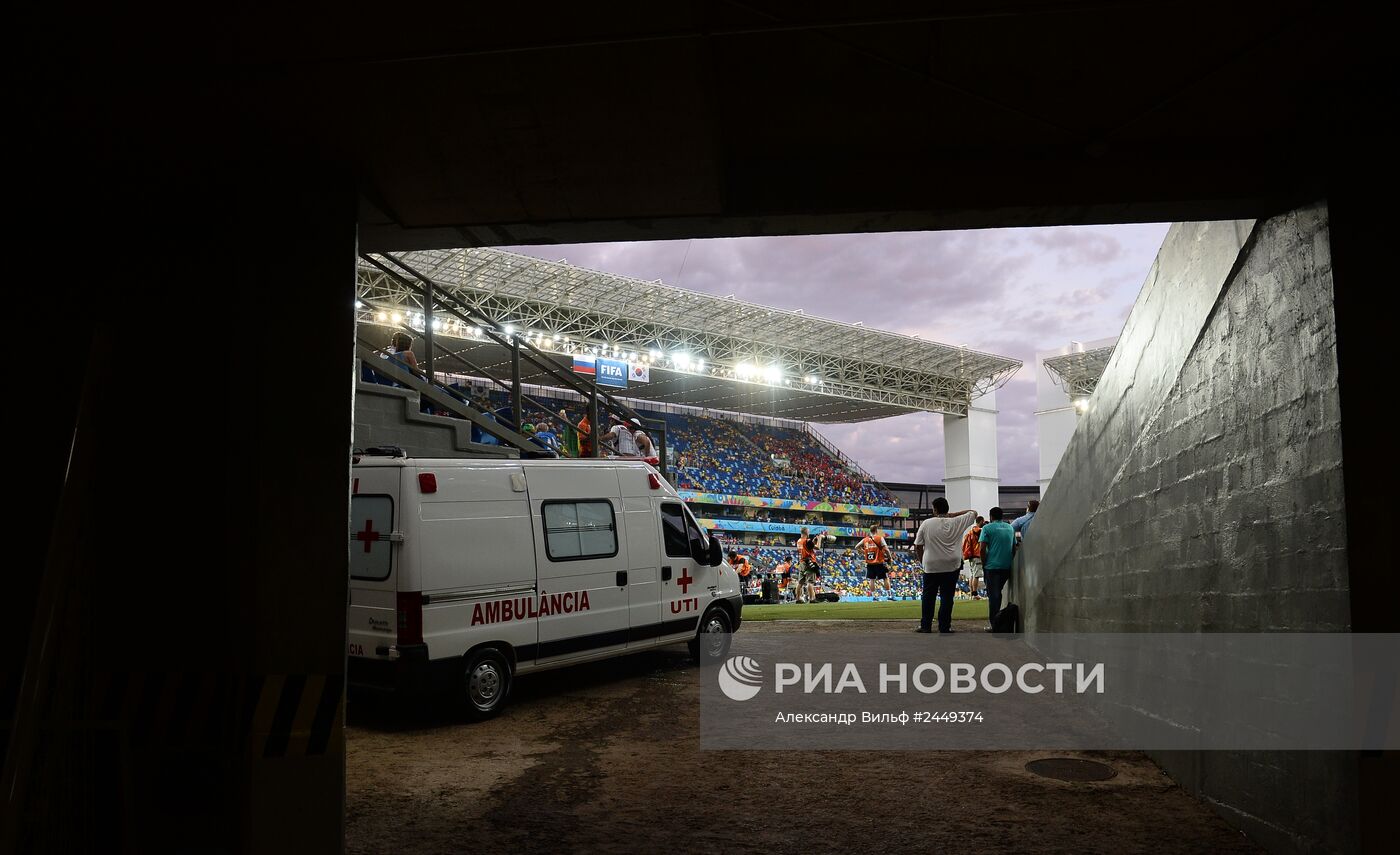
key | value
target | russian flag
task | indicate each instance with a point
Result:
(585, 365)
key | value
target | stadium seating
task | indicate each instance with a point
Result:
(713, 455)
(719, 456)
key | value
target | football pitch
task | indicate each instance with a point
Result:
(899, 610)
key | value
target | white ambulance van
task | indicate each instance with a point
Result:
(466, 573)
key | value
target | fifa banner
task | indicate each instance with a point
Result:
(792, 504)
(605, 372)
(793, 528)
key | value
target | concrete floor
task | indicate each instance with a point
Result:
(605, 758)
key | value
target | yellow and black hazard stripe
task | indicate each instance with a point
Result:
(269, 716)
(296, 715)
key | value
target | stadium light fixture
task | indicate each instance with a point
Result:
(743, 369)
(510, 330)
(1082, 405)
(774, 374)
(382, 317)
(396, 318)
(699, 365)
(656, 354)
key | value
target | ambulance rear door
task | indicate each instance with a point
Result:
(374, 560)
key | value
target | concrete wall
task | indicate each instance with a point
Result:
(1202, 491)
(388, 415)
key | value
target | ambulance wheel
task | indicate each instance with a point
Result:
(486, 682)
(711, 641)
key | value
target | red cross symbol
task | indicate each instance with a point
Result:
(684, 580)
(369, 535)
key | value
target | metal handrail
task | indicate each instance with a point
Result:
(467, 314)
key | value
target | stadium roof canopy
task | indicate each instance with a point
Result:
(1078, 373)
(700, 350)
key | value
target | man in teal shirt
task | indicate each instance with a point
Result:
(998, 541)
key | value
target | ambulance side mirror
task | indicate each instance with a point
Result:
(716, 555)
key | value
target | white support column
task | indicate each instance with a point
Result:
(1055, 419)
(970, 475)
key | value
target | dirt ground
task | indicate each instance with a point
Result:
(605, 758)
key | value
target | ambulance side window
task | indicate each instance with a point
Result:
(574, 530)
(699, 541)
(673, 527)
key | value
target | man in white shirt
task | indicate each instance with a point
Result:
(623, 439)
(938, 544)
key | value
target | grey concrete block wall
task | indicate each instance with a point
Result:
(1202, 491)
(388, 415)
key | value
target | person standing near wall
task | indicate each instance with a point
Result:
(972, 557)
(998, 541)
(1022, 524)
(938, 543)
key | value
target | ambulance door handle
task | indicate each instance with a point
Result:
(665, 574)
(622, 578)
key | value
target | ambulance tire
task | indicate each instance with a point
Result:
(710, 651)
(486, 680)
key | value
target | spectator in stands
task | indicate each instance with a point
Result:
(876, 554)
(570, 444)
(621, 438)
(972, 558)
(528, 431)
(938, 543)
(998, 540)
(1022, 524)
(586, 439)
(544, 432)
(401, 351)
(483, 404)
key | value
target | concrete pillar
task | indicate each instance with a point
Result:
(970, 474)
(182, 684)
(1055, 416)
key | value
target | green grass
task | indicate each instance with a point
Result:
(899, 610)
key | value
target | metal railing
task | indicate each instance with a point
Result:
(443, 301)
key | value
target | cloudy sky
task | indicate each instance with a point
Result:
(1004, 291)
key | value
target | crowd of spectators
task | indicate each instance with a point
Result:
(740, 459)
